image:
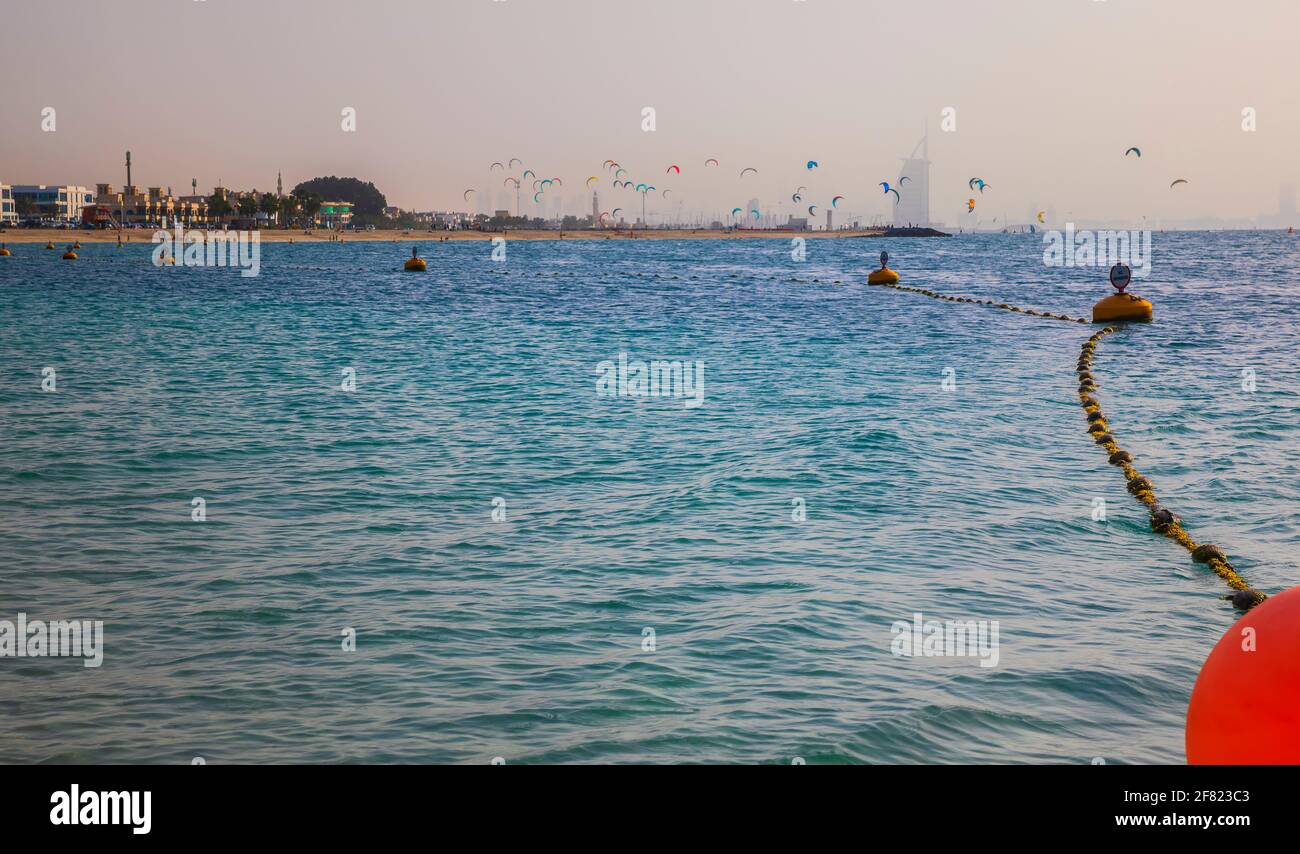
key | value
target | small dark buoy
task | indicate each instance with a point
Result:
(1094, 417)
(1244, 600)
(1096, 428)
(1206, 552)
(1103, 438)
(1120, 457)
(1140, 484)
(1162, 520)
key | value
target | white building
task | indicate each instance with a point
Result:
(7, 212)
(913, 206)
(62, 203)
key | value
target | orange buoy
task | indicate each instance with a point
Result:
(49, 245)
(69, 255)
(1121, 306)
(883, 276)
(415, 264)
(4, 251)
(1245, 708)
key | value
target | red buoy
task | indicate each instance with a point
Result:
(1245, 708)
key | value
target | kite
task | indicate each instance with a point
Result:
(616, 211)
(536, 197)
(711, 160)
(465, 195)
(514, 160)
(970, 205)
(495, 165)
(1133, 150)
(592, 178)
(672, 168)
(528, 172)
(973, 181)
(735, 211)
(796, 198)
(1176, 183)
(812, 164)
(812, 210)
(756, 214)
(897, 197)
(885, 184)
(904, 178)
(508, 180)
(748, 169)
(835, 201)
(1041, 216)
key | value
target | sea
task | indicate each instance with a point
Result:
(338, 512)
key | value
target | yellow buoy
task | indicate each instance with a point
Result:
(76, 245)
(50, 245)
(415, 264)
(1121, 306)
(4, 252)
(883, 276)
(69, 255)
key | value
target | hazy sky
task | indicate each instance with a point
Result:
(1048, 94)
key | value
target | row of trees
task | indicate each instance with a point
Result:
(286, 211)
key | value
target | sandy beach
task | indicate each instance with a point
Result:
(63, 237)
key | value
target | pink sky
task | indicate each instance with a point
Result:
(1048, 96)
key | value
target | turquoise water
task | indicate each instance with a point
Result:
(522, 639)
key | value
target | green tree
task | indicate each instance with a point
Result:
(218, 207)
(270, 204)
(247, 205)
(311, 205)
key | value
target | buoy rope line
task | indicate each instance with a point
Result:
(1002, 305)
(1163, 521)
(1243, 597)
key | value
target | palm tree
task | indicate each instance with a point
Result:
(312, 206)
(270, 204)
(218, 207)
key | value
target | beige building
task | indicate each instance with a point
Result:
(8, 214)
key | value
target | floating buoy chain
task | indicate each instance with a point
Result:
(1002, 305)
(1162, 520)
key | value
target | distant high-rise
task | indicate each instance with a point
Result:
(913, 207)
(1286, 200)
(595, 208)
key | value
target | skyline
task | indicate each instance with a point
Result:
(768, 85)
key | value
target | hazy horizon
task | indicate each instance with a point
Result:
(1047, 96)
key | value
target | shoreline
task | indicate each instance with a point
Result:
(62, 237)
